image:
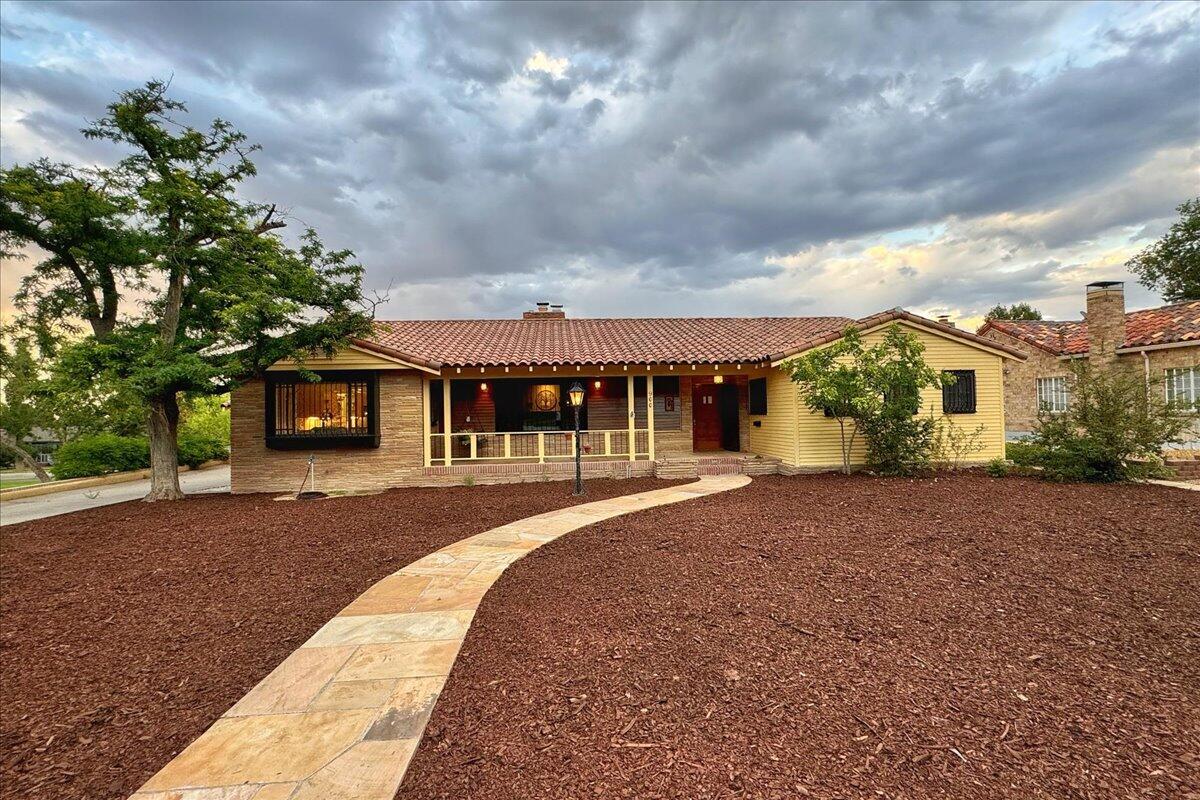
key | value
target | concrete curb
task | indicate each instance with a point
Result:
(54, 487)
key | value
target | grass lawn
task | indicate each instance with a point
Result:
(11, 480)
(835, 637)
(126, 630)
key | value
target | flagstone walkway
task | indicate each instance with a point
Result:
(341, 716)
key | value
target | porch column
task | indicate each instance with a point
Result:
(650, 415)
(632, 416)
(426, 420)
(446, 418)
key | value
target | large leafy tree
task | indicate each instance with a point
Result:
(219, 295)
(1017, 311)
(1171, 266)
(19, 404)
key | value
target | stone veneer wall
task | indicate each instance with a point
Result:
(1020, 379)
(397, 461)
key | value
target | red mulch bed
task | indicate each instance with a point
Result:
(126, 630)
(840, 637)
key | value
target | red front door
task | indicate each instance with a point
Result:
(706, 417)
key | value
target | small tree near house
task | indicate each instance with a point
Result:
(874, 392)
(833, 382)
(227, 296)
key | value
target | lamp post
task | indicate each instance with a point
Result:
(576, 395)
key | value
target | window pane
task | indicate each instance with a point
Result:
(1052, 394)
(321, 409)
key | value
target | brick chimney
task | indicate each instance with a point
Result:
(1105, 321)
(945, 320)
(545, 310)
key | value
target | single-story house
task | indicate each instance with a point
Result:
(427, 402)
(1163, 344)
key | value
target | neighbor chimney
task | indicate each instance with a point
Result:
(545, 311)
(1105, 320)
(945, 320)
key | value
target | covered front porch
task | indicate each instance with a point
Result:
(492, 417)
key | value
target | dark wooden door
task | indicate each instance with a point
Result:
(706, 417)
(727, 408)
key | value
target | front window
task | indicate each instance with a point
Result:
(1053, 395)
(339, 409)
(1183, 387)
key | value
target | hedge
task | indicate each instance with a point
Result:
(107, 452)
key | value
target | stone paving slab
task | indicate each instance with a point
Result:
(340, 718)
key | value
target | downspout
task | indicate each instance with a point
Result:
(1146, 363)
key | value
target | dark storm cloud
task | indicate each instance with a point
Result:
(677, 144)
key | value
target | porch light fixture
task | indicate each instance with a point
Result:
(483, 386)
(597, 384)
(575, 393)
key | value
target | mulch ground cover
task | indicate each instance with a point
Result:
(126, 630)
(835, 637)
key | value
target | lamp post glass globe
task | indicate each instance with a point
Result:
(576, 395)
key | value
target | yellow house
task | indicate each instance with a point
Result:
(427, 402)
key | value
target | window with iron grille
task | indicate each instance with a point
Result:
(758, 395)
(338, 410)
(1183, 387)
(958, 397)
(1053, 395)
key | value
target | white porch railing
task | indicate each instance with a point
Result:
(536, 446)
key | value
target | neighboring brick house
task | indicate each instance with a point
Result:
(1163, 344)
(444, 401)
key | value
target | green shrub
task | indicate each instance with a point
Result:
(1025, 453)
(997, 468)
(105, 453)
(1113, 429)
(195, 449)
(100, 455)
(898, 442)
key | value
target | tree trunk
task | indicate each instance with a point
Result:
(23, 455)
(164, 457)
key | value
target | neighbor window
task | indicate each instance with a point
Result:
(340, 409)
(1183, 387)
(758, 395)
(959, 397)
(1052, 395)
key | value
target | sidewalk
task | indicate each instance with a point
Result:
(49, 505)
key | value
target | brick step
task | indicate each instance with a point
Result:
(692, 466)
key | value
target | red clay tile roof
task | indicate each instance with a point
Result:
(519, 342)
(678, 340)
(1152, 326)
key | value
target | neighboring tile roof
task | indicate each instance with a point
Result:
(1152, 326)
(679, 340)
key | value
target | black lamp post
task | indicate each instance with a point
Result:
(576, 394)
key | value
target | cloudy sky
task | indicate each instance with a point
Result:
(630, 159)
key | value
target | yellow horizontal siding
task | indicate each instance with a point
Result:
(819, 438)
(347, 358)
(776, 431)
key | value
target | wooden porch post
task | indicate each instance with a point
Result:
(446, 417)
(632, 434)
(426, 420)
(650, 415)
